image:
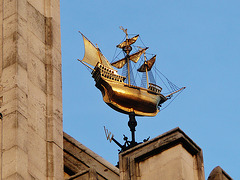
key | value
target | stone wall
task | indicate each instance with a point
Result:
(31, 87)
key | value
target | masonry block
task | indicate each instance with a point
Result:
(13, 158)
(10, 8)
(22, 9)
(37, 155)
(16, 133)
(38, 5)
(36, 22)
(172, 155)
(36, 70)
(10, 50)
(22, 55)
(36, 47)
(10, 25)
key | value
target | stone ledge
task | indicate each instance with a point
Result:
(78, 159)
(166, 141)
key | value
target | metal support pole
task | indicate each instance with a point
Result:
(132, 123)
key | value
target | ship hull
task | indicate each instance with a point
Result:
(126, 98)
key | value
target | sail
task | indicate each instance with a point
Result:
(105, 62)
(148, 64)
(134, 57)
(120, 63)
(128, 42)
(93, 55)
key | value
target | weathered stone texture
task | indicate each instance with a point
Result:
(175, 163)
(82, 163)
(219, 174)
(30, 77)
(171, 155)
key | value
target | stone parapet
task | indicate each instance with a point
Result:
(172, 155)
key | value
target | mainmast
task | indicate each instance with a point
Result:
(127, 49)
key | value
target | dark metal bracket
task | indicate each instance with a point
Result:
(132, 123)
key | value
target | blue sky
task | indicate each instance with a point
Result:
(197, 45)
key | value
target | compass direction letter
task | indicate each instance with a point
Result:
(108, 134)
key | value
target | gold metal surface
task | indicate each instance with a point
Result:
(126, 98)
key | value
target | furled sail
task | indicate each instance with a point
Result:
(120, 63)
(147, 64)
(93, 55)
(134, 57)
(128, 42)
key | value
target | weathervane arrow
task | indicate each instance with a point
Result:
(110, 137)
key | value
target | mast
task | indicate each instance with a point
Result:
(127, 49)
(145, 62)
(147, 66)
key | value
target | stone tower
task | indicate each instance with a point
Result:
(31, 135)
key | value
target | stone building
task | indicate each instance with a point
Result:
(172, 155)
(33, 145)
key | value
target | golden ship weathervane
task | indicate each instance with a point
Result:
(117, 90)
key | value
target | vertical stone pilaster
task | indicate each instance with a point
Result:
(1, 60)
(30, 76)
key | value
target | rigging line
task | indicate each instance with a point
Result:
(141, 77)
(167, 78)
(173, 86)
(124, 71)
(149, 54)
(170, 83)
(172, 100)
(131, 74)
(134, 68)
(142, 41)
(132, 35)
(137, 75)
(163, 75)
(114, 55)
(143, 80)
(151, 77)
(123, 39)
(163, 81)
